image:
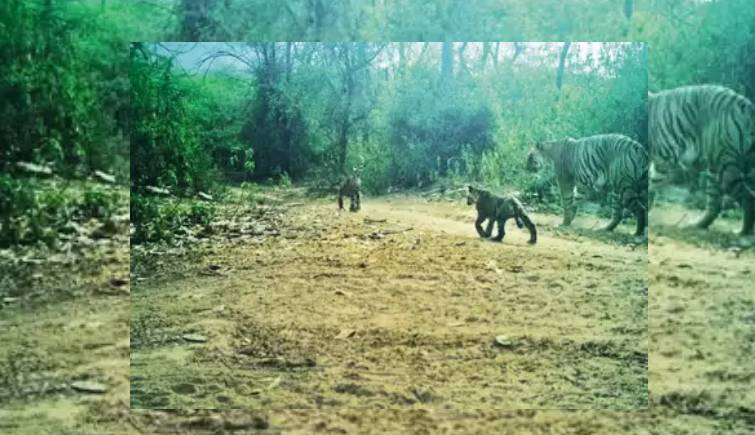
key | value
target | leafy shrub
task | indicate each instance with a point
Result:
(284, 180)
(248, 192)
(158, 220)
(98, 203)
(201, 213)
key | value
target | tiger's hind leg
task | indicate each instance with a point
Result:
(530, 226)
(748, 221)
(642, 223)
(712, 205)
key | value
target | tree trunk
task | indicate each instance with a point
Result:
(561, 63)
(447, 63)
(485, 54)
(343, 145)
(196, 21)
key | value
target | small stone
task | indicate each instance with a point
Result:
(205, 196)
(107, 178)
(89, 387)
(345, 333)
(10, 300)
(118, 282)
(157, 190)
(31, 168)
(195, 338)
(343, 293)
(503, 341)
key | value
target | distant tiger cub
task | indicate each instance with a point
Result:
(350, 188)
(498, 209)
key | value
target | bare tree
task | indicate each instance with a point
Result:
(561, 64)
(447, 62)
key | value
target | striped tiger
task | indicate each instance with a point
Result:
(606, 162)
(350, 187)
(711, 129)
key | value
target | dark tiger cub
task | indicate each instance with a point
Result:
(350, 188)
(498, 209)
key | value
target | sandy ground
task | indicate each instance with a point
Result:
(336, 312)
(395, 334)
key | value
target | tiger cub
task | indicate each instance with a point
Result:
(498, 209)
(350, 188)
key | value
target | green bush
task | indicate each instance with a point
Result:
(201, 213)
(32, 211)
(98, 203)
(158, 220)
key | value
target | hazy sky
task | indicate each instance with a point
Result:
(190, 54)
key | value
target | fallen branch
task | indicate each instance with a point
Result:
(374, 221)
(381, 234)
(389, 232)
(681, 220)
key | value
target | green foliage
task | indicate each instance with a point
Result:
(429, 122)
(32, 211)
(98, 203)
(64, 82)
(201, 213)
(165, 146)
(284, 180)
(156, 219)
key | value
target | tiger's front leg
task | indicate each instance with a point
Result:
(478, 226)
(567, 200)
(618, 214)
(712, 205)
(501, 230)
(489, 228)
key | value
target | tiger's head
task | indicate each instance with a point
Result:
(473, 195)
(550, 149)
(536, 153)
(533, 159)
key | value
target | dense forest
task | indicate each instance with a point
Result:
(170, 239)
(403, 113)
(66, 89)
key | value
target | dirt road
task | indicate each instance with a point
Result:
(700, 309)
(399, 309)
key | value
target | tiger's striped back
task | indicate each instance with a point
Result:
(610, 160)
(602, 161)
(703, 126)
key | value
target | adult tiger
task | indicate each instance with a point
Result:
(611, 162)
(711, 129)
